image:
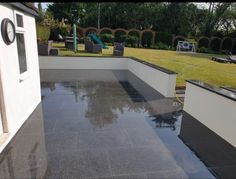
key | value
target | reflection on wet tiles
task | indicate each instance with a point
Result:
(25, 156)
(166, 120)
(103, 140)
(100, 124)
(167, 174)
(140, 160)
(134, 95)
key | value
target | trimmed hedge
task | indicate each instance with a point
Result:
(203, 42)
(108, 38)
(147, 39)
(89, 31)
(105, 31)
(160, 45)
(43, 33)
(234, 47)
(206, 50)
(134, 33)
(120, 36)
(132, 40)
(164, 38)
(215, 44)
(227, 44)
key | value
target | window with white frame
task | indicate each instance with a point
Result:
(21, 44)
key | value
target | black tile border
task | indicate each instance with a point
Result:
(229, 89)
(170, 72)
(214, 89)
(188, 117)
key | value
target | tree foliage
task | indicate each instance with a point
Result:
(72, 11)
(185, 19)
(215, 13)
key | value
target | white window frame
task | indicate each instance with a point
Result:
(22, 30)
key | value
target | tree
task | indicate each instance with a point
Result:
(40, 7)
(73, 12)
(215, 12)
(186, 19)
(39, 18)
(45, 18)
(227, 23)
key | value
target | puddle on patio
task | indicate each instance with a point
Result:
(95, 123)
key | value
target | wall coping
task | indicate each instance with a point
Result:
(220, 91)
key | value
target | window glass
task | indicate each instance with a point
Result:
(19, 20)
(21, 52)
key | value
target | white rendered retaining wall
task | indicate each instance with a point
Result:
(215, 111)
(50, 62)
(158, 78)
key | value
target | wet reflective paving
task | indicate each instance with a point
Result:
(100, 124)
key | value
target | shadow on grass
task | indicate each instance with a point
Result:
(201, 55)
(81, 52)
(66, 52)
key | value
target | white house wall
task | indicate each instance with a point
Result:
(1, 127)
(20, 98)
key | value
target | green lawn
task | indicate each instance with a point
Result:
(188, 66)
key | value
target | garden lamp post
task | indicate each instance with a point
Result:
(75, 39)
(74, 30)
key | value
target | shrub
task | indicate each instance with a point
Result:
(234, 47)
(55, 32)
(120, 36)
(135, 45)
(105, 31)
(202, 49)
(89, 31)
(109, 44)
(160, 45)
(147, 39)
(215, 44)
(133, 40)
(203, 42)
(81, 40)
(227, 44)
(207, 50)
(120, 39)
(108, 38)
(134, 33)
(43, 33)
(163, 37)
(226, 52)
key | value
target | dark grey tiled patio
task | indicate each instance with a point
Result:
(96, 124)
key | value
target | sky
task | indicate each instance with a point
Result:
(200, 5)
(44, 4)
